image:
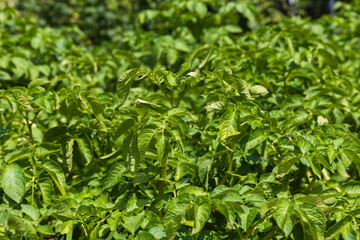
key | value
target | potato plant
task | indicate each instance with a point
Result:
(218, 132)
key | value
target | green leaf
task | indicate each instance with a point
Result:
(47, 148)
(313, 199)
(145, 236)
(114, 175)
(124, 84)
(95, 231)
(178, 112)
(315, 166)
(38, 82)
(161, 146)
(5, 76)
(56, 173)
(328, 57)
(96, 106)
(338, 228)
(46, 189)
(203, 171)
(45, 229)
(228, 124)
(265, 226)
(171, 56)
(202, 214)
(179, 123)
(66, 227)
(146, 134)
(282, 215)
(234, 197)
(200, 8)
(352, 188)
(247, 216)
(11, 99)
(255, 138)
(173, 217)
(13, 181)
(85, 147)
(258, 90)
(320, 159)
(16, 155)
(171, 79)
(192, 190)
(293, 102)
(303, 144)
(221, 190)
(31, 211)
(69, 149)
(315, 219)
(133, 223)
(44, 104)
(63, 211)
(124, 127)
(271, 204)
(353, 157)
(226, 209)
(218, 105)
(183, 68)
(179, 137)
(16, 223)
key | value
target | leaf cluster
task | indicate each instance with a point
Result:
(218, 132)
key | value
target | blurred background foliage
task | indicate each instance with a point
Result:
(105, 20)
(95, 40)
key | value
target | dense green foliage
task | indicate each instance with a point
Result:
(198, 120)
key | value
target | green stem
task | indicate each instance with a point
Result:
(171, 100)
(33, 188)
(224, 178)
(182, 95)
(203, 63)
(29, 124)
(229, 171)
(254, 228)
(85, 226)
(239, 233)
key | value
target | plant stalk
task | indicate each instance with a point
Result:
(229, 171)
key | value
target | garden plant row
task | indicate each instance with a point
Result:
(187, 126)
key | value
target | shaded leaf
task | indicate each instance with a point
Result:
(85, 147)
(114, 175)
